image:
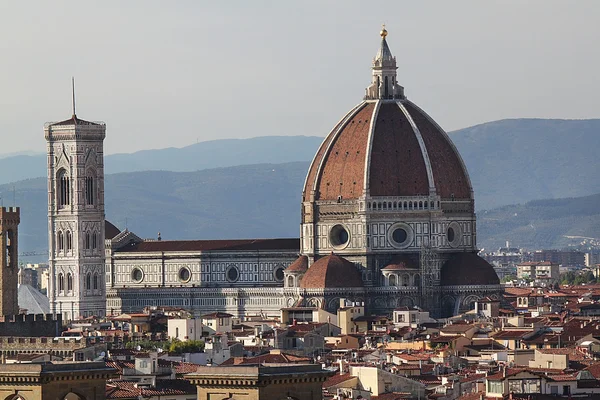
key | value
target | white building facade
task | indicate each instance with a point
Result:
(76, 217)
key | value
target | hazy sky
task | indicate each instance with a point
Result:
(164, 74)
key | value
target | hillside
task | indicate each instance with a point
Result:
(509, 161)
(515, 161)
(263, 201)
(236, 202)
(203, 155)
(555, 223)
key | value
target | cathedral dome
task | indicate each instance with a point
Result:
(468, 269)
(386, 146)
(331, 272)
(299, 266)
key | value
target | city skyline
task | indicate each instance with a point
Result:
(170, 76)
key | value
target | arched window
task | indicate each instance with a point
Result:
(94, 241)
(95, 281)
(69, 240)
(64, 188)
(290, 281)
(417, 280)
(392, 280)
(61, 282)
(88, 281)
(87, 240)
(405, 280)
(60, 241)
(69, 282)
(90, 188)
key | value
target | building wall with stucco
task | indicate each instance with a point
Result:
(301, 382)
(54, 381)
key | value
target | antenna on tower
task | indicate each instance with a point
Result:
(73, 89)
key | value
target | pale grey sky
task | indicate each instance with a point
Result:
(164, 74)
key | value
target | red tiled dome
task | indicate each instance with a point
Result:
(468, 269)
(298, 266)
(404, 153)
(400, 263)
(331, 272)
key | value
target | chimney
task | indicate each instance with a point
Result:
(341, 367)
(504, 371)
(294, 322)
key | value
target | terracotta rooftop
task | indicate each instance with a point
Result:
(215, 245)
(336, 380)
(389, 148)
(217, 315)
(298, 266)
(468, 269)
(281, 358)
(128, 390)
(400, 262)
(74, 121)
(332, 271)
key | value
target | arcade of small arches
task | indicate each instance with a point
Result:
(406, 205)
(401, 279)
(378, 302)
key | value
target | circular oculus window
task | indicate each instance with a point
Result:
(233, 274)
(454, 234)
(185, 275)
(339, 237)
(278, 274)
(137, 275)
(400, 235)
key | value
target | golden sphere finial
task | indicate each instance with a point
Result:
(383, 32)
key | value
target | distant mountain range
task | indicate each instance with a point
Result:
(257, 201)
(250, 201)
(509, 161)
(199, 156)
(548, 224)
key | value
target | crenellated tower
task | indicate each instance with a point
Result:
(9, 264)
(76, 217)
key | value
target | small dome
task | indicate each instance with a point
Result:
(299, 266)
(400, 263)
(468, 269)
(331, 272)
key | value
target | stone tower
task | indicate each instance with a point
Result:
(76, 217)
(9, 265)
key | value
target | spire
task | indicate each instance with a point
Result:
(384, 53)
(384, 84)
(73, 89)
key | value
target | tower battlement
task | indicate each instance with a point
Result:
(10, 215)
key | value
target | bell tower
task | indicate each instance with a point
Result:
(76, 217)
(9, 266)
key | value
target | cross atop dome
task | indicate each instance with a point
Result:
(384, 84)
